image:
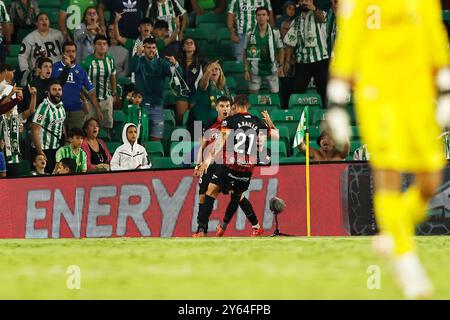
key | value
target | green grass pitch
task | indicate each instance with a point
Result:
(208, 268)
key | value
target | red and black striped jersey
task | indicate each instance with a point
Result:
(245, 134)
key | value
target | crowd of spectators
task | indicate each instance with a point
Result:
(68, 73)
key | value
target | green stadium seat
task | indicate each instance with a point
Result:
(53, 14)
(154, 149)
(169, 117)
(22, 33)
(446, 15)
(199, 34)
(284, 137)
(316, 116)
(287, 118)
(49, 3)
(301, 100)
(119, 116)
(164, 163)
(13, 62)
(314, 132)
(223, 36)
(169, 99)
(293, 160)
(102, 134)
(123, 80)
(355, 134)
(256, 113)
(232, 67)
(231, 83)
(112, 146)
(210, 18)
(14, 50)
(263, 102)
(216, 52)
(278, 147)
(353, 146)
(24, 167)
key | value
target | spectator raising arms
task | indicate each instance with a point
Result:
(211, 87)
(70, 14)
(42, 42)
(193, 64)
(307, 40)
(151, 72)
(98, 156)
(85, 34)
(168, 10)
(119, 53)
(327, 151)
(130, 155)
(132, 13)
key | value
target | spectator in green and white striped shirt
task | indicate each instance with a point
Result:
(47, 126)
(308, 37)
(168, 10)
(73, 150)
(101, 70)
(242, 19)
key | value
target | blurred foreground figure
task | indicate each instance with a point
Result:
(395, 55)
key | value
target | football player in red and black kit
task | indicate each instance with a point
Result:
(242, 136)
(214, 129)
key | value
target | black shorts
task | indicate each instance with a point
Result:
(205, 179)
(230, 180)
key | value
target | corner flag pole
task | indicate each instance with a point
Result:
(308, 195)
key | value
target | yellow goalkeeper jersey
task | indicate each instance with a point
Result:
(391, 50)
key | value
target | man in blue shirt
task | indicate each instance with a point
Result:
(77, 85)
(151, 71)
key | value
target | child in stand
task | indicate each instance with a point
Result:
(73, 150)
(136, 115)
(39, 164)
(130, 155)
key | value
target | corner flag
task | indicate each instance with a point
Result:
(302, 127)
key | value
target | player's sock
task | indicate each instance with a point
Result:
(415, 204)
(392, 218)
(247, 207)
(204, 213)
(231, 210)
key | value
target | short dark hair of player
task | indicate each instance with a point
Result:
(42, 60)
(223, 99)
(150, 40)
(70, 164)
(9, 67)
(263, 8)
(145, 21)
(41, 14)
(100, 37)
(241, 101)
(68, 44)
(75, 132)
(161, 24)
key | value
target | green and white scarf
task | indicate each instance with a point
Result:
(251, 45)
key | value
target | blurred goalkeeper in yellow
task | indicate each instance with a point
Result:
(394, 53)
